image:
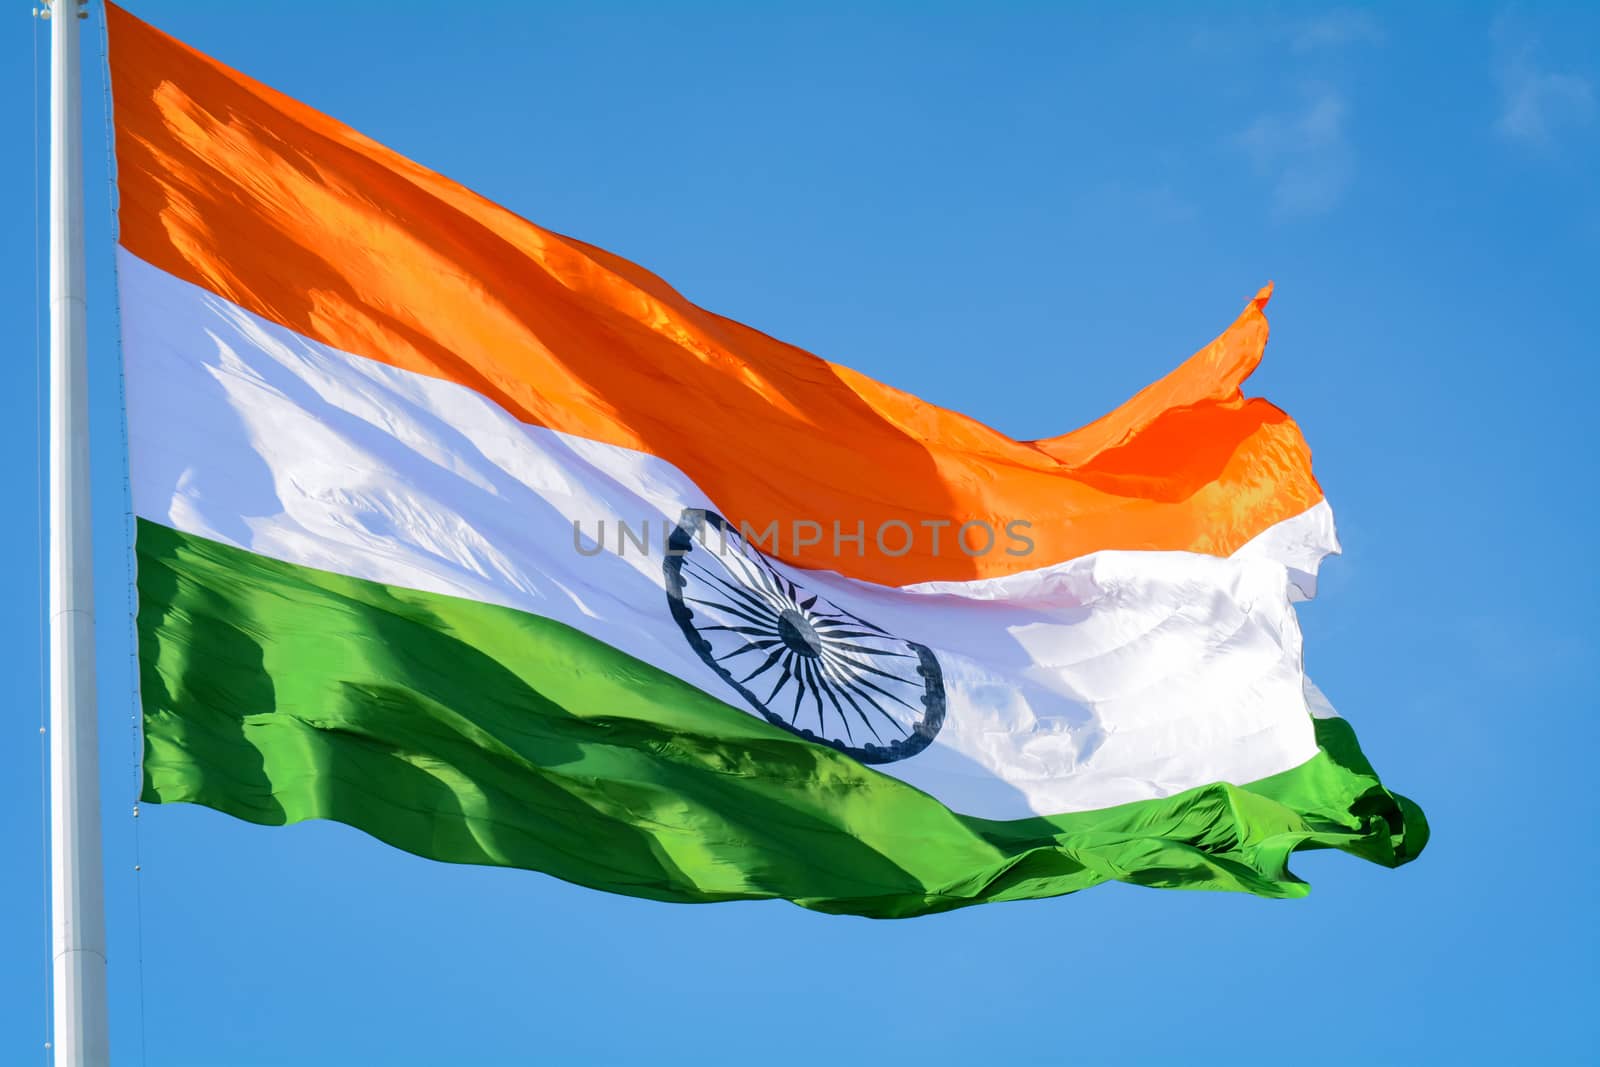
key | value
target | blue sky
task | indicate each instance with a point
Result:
(1027, 214)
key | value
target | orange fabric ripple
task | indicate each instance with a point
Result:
(297, 218)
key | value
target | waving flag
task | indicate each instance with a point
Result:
(491, 544)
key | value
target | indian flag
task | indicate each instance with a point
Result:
(491, 544)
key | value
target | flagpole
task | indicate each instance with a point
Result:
(77, 892)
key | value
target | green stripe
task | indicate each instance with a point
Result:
(470, 733)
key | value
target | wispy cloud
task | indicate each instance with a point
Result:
(1536, 102)
(1305, 154)
(1336, 29)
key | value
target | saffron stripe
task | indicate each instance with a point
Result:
(298, 219)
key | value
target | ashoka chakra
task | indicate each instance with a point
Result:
(802, 662)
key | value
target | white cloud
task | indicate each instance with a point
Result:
(1535, 103)
(1306, 154)
(1336, 29)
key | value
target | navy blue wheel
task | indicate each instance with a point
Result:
(802, 662)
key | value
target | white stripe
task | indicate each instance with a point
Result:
(1299, 544)
(1116, 677)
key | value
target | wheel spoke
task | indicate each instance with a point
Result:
(752, 618)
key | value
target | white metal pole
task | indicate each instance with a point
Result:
(77, 891)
